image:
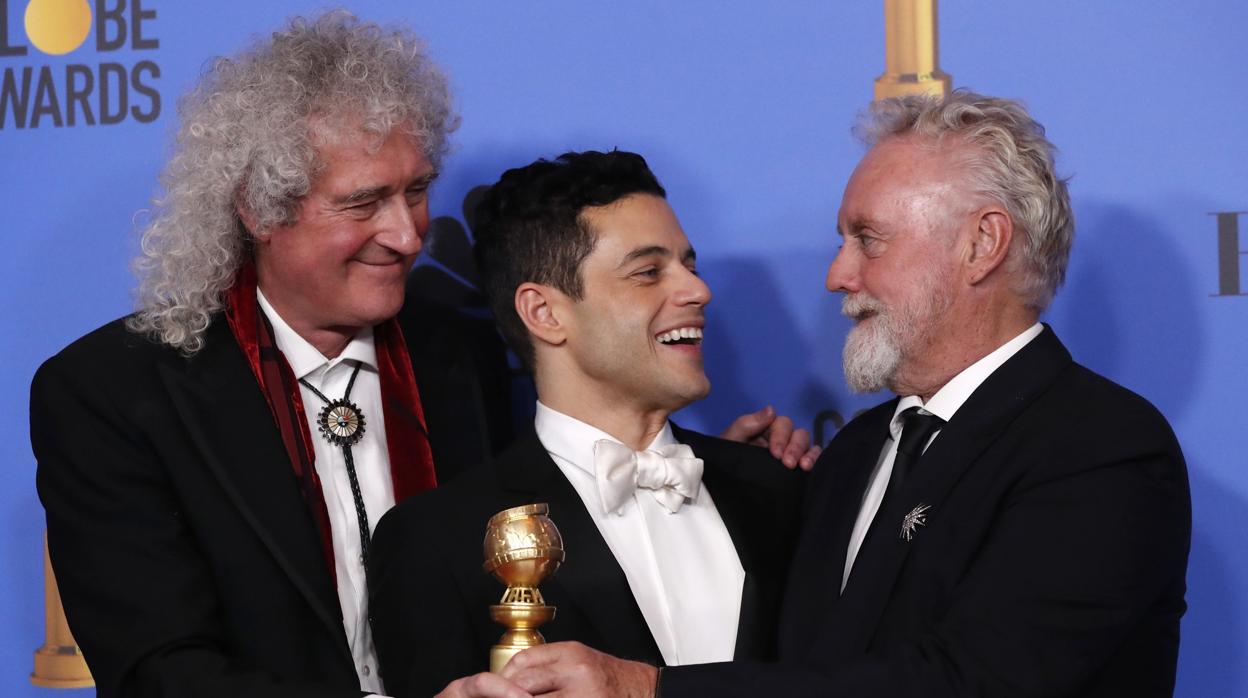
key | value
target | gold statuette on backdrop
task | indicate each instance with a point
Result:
(911, 51)
(59, 663)
(522, 548)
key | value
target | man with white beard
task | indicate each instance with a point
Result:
(1011, 524)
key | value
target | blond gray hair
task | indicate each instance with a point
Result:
(246, 138)
(1009, 161)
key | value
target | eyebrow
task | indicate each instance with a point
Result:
(424, 180)
(861, 222)
(360, 195)
(688, 255)
(365, 193)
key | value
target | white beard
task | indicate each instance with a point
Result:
(878, 344)
(872, 349)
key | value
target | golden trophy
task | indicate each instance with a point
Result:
(522, 548)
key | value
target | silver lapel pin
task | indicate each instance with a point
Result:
(917, 517)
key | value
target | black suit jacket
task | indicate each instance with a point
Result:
(1052, 561)
(187, 560)
(430, 596)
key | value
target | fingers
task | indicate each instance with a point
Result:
(570, 668)
(544, 679)
(548, 668)
(807, 461)
(548, 653)
(749, 428)
(779, 436)
(483, 685)
(796, 449)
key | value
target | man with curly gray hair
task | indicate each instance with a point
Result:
(1011, 524)
(212, 465)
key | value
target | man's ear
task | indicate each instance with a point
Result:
(990, 243)
(250, 222)
(540, 309)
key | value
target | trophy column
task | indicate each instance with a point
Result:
(911, 51)
(58, 663)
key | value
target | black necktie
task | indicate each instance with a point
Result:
(917, 428)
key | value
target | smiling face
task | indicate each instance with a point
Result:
(342, 264)
(900, 220)
(635, 336)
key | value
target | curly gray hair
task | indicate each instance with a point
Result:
(246, 139)
(1011, 162)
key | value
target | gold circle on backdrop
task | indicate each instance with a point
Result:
(57, 27)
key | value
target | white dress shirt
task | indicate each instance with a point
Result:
(372, 466)
(682, 567)
(943, 404)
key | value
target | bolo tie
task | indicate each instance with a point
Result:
(341, 422)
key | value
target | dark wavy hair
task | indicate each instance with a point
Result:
(529, 227)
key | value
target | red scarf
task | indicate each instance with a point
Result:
(407, 442)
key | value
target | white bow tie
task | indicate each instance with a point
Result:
(671, 473)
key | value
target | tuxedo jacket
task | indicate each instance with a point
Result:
(430, 597)
(188, 562)
(1050, 561)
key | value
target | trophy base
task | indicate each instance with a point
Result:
(61, 667)
(521, 621)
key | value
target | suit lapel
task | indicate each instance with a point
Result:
(231, 427)
(834, 498)
(590, 576)
(977, 423)
(755, 616)
(861, 457)
(733, 502)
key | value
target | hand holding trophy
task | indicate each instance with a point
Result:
(522, 548)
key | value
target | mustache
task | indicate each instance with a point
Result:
(858, 305)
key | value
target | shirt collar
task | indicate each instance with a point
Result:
(304, 358)
(958, 390)
(573, 440)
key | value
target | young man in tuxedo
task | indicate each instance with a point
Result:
(676, 542)
(1011, 524)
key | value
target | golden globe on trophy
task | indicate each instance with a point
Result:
(522, 548)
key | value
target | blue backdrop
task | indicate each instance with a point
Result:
(743, 109)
